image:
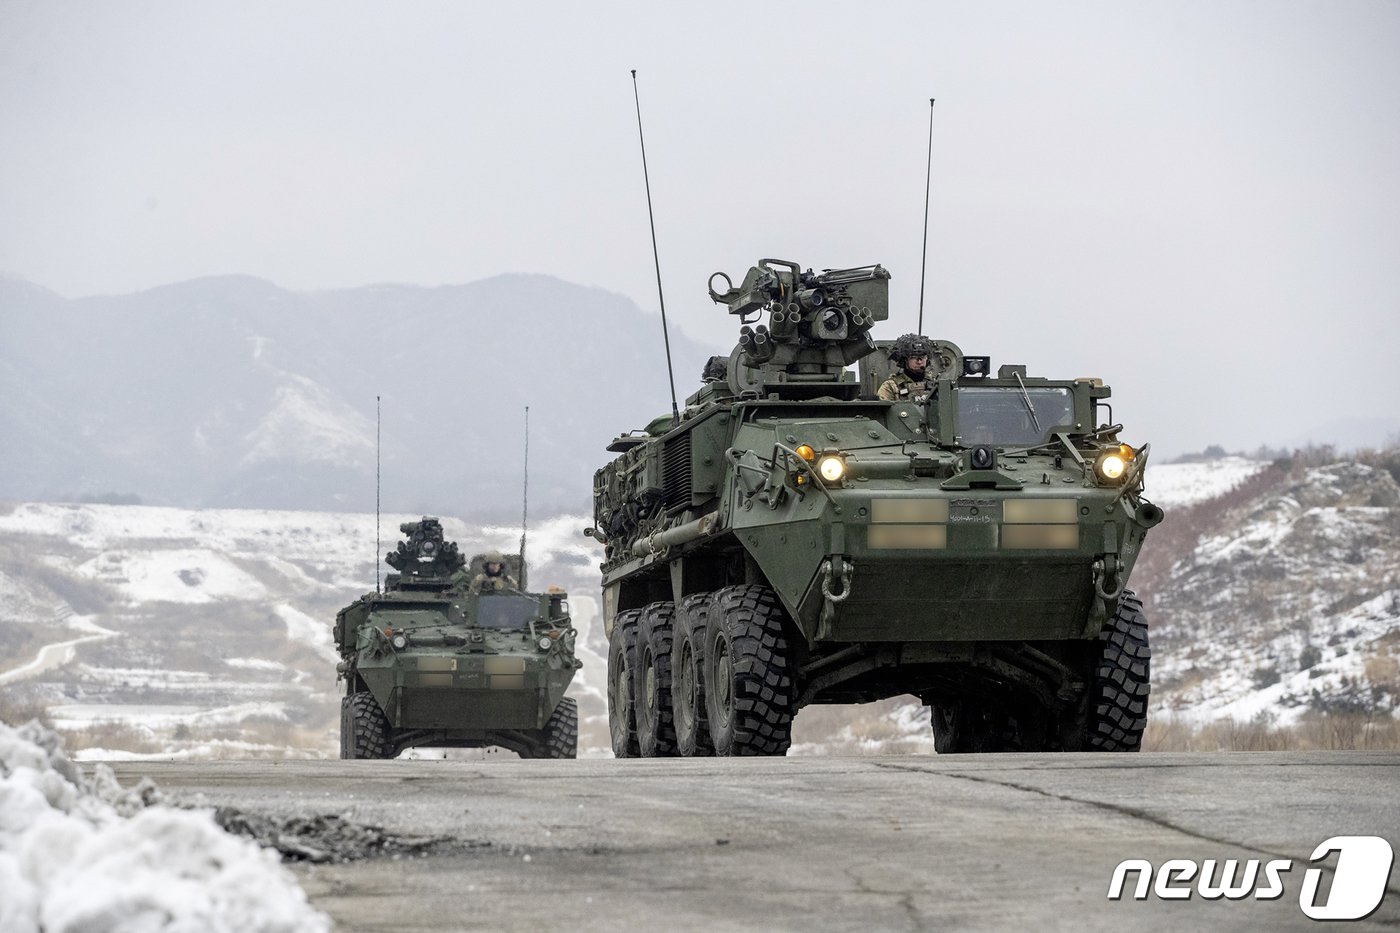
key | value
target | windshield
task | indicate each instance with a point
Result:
(1002, 416)
(513, 611)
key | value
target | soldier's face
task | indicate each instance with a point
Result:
(917, 364)
(493, 567)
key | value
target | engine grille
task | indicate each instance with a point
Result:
(675, 472)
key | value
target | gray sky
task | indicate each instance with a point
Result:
(1199, 202)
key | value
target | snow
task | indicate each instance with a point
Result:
(308, 425)
(81, 854)
(187, 575)
(1178, 484)
(302, 628)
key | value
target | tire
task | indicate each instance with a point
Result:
(748, 692)
(622, 660)
(651, 683)
(1116, 711)
(561, 731)
(691, 720)
(364, 729)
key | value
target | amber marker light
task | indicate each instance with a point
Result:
(807, 453)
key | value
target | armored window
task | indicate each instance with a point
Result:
(1007, 416)
(506, 611)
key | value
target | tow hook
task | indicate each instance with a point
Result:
(843, 574)
(1108, 571)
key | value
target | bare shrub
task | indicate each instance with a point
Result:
(114, 736)
(20, 703)
(1314, 731)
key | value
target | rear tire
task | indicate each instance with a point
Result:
(748, 692)
(561, 731)
(364, 729)
(692, 722)
(622, 661)
(1115, 713)
(651, 686)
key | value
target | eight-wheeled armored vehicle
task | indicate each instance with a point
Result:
(791, 538)
(432, 662)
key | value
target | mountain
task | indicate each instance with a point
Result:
(232, 392)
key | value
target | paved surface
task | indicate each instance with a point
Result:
(990, 842)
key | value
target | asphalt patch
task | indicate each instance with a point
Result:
(327, 838)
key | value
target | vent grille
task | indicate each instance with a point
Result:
(675, 472)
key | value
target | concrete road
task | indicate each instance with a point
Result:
(994, 842)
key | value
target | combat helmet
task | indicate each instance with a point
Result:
(910, 345)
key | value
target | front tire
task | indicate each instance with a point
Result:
(748, 692)
(364, 729)
(561, 731)
(1115, 714)
(651, 687)
(622, 660)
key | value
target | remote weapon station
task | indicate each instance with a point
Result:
(790, 538)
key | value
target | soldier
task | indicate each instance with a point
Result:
(911, 383)
(494, 576)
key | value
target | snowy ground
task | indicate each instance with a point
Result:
(80, 854)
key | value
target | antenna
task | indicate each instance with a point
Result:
(665, 334)
(525, 507)
(928, 177)
(376, 494)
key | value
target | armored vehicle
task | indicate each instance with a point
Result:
(791, 538)
(433, 662)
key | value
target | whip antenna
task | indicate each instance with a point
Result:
(525, 507)
(665, 334)
(376, 494)
(927, 179)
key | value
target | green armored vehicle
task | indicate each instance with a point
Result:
(439, 660)
(794, 538)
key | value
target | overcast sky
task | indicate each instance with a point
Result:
(1199, 202)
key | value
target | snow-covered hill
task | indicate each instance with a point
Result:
(207, 632)
(1289, 602)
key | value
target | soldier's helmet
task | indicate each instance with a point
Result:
(910, 345)
(494, 557)
(716, 369)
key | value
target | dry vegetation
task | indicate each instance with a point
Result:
(1330, 731)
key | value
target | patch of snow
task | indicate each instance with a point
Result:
(73, 856)
(255, 664)
(177, 575)
(79, 716)
(1177, 484)
(307, 424)
(315, 633)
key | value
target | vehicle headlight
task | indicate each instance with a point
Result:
(832, 468)
(545, 642)
(399, 641)
(1113, 464)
